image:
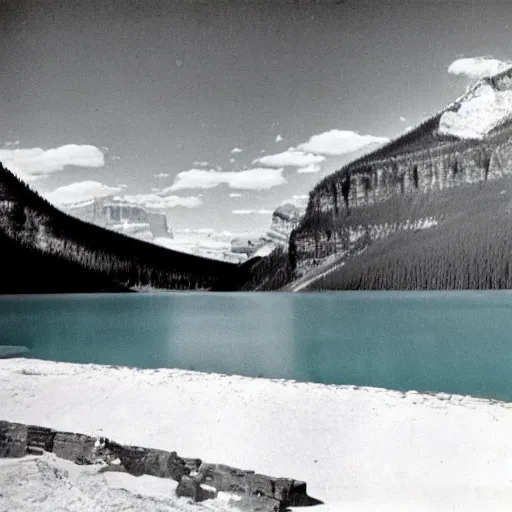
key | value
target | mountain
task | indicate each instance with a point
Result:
(45, 250)
(120, 216)
(428, 210)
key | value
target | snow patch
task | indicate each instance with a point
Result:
(481, 111)
(358, 448)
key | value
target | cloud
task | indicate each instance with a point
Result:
(232, 160)
(279, 138)
(251, 179)
(80, 191)
(158, 201)
(201, 163)
(236, 150)
(250, 212)
(104, 148)
(403, 119)
(289, 158)
(300, 199)
(161, 175)
(10, 143)
(339, 142)
(123, 185)
(310, 168)
(115, 158)
(36, 163)
(235, 194)
(477, 67)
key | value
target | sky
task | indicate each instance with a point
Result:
(192, 106)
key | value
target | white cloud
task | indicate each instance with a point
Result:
(339, 142)
(279, 138)
(104, 148)
(36, 163)
(11, 143)
(158, 201)
(403, 119)
(232, 160)
(201, 163)
(300, 199)
(161, 175)
(115, 158)
(250, 212)
(263, 151)
(236, 150)
(235, 194)
(154, 189)
(310, 168)
(251, 179)
(477, 67)
(123, 185)
(80, 191)
(289, 159)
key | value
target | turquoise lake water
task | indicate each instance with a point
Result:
(457, 342)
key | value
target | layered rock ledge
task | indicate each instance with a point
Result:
(197, 479)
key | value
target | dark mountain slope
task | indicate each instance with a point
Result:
(37, 227)
(469, 248)
(29, 270)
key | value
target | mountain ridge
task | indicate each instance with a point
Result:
(32, 226)
(412, 184)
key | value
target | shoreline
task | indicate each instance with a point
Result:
(355, 447)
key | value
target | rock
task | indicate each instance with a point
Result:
(192, 464)
(78, 448)
(285, 491)
(41, 437)
(224, 478)
(298, 496)
(207, 492)
(197, 480)
(13, 439)
(190, 487)
(144, 461)
(34, 450)
(259, 504)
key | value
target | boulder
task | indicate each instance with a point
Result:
(41, 437)
(190, 487)
(144, 461)
(78, 448)
(13, 439)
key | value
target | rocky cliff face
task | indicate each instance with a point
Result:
(284, 220)
(467, 143)
(121, 217)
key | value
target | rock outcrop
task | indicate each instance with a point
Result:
(197, 480)
(114, 214)
(284, 220)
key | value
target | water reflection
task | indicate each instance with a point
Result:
(237, 333)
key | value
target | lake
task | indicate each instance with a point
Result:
(457, 342)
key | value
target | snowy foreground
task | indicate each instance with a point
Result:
(358, 449)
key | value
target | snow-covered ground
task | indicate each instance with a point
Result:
(480, 111)
(359, 449)
(49, 484)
